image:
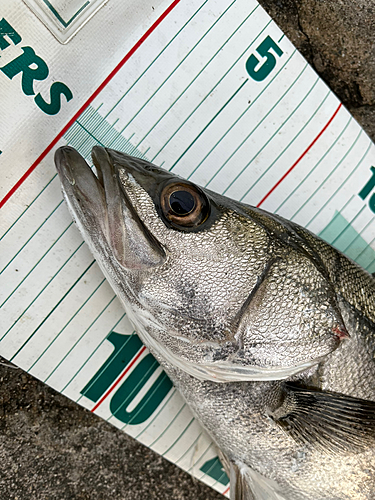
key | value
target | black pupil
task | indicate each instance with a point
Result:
(182, 202)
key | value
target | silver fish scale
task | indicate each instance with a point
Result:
(267, 331)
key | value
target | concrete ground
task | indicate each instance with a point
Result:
(50, 448)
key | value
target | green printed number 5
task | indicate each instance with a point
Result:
(265, 69)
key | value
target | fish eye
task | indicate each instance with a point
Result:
(184, 205)
(181, 203)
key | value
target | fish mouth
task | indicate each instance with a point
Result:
(102, 208)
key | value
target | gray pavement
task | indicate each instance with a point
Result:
(50, 448)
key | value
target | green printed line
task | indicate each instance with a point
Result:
(87, 136)
(35, 265)
(34, 233)
(168, 426)
(89, 133)
(190, 447)
(196, 77)
(359, 236)
(330, 174)
(174, 391)
(179, 437)
(195, 464)
(223, 474)
(137, 387)
(59, 18)
(27, 208)
(369, 245)
(32, 302)
(81, 140)
(316, 165)
(171, 74)
(338, 213)
(286, 148)
(65, 326)
(31, 237)
(83, 334)
(88, 359)
(176, 68)
(156, 388)
(156, 58)
(105, 366)
(348, 225)
(254, 129)
(52, 311)
(233, 125)
(346, 232)
(368, 267)
(208, 124)
(211, 90)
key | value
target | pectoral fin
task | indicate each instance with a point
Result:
(330, 422)
(247, 484)
(239, 485)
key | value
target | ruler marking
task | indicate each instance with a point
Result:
(329, 176)
(348, 225)
(31, 237)
(211, 90)
(66, 325)
(149, 393)
(190, 447)
(300, 158)
(149, 66)
(208, 124)
(316, 165)
(52, 310)
(169, 425)
(200, 458)
(137, 387)
(87, 103)
(286, 148)
(175, 69)
(27, 208)
(75, 251)
(129, 366)
(90, 356)
(359, 235)
(242, 114)
(195, 78)
(255, 128)
(35, 265)
(179, 437)
(174, 391)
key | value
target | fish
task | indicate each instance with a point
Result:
(267, 331)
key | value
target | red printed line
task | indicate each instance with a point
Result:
(119, 379)
(88, 102)
(302, 155)
(226, 491)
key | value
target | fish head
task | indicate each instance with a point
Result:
(219, 289)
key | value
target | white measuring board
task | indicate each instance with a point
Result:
(217, 94)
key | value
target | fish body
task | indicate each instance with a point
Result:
(267, 331)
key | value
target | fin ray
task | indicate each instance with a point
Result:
(328, 421)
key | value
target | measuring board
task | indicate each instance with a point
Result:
(213, 91)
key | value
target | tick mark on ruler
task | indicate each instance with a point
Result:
(300, 158)
(208, 124)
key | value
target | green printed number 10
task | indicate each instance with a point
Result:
(265, 69)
